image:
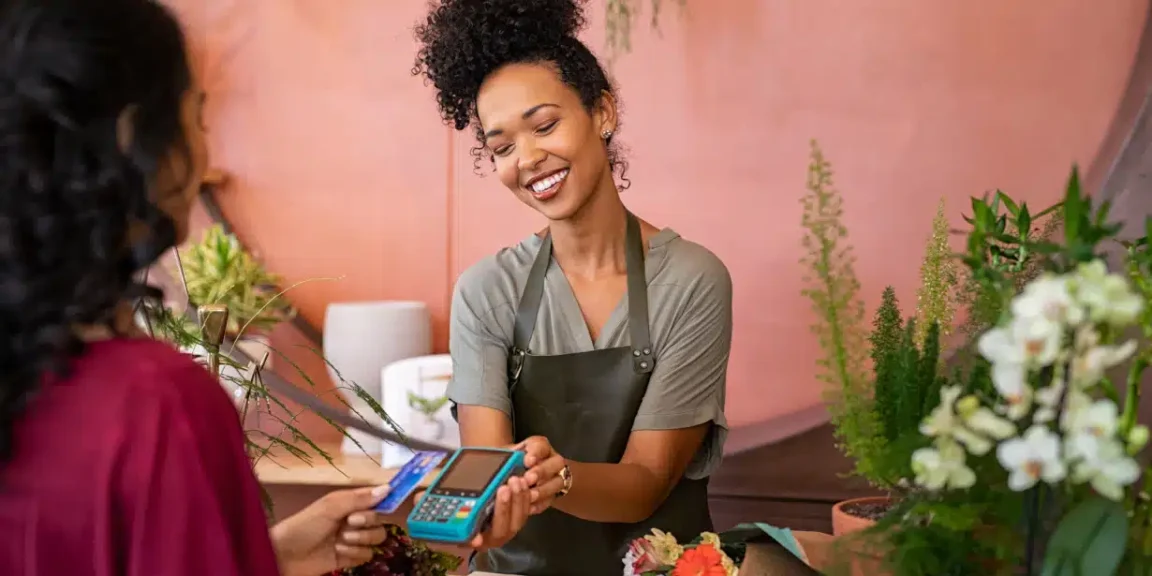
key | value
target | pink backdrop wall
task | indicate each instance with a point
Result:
(341, 166)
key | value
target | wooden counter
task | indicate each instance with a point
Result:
(345, 470)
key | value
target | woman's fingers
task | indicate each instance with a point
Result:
(542, 495)
(369, 537)
(536, 449)
(349, 556)
(366, 519)
(521, 505)
(545, 470)
(501, 517)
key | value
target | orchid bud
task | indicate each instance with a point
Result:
(967, 405)
(1137, 439)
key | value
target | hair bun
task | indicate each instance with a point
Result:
(462, 36)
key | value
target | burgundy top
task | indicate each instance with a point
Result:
(133, 466)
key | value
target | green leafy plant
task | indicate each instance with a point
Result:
(218, 270)
(426, 406)
(1031, 465)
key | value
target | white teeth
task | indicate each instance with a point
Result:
(549, 182)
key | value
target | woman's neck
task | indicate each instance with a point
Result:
(591, 243)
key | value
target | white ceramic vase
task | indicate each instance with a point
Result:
(425, 377)
(360, 339)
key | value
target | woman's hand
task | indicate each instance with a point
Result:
(335, 532)
(513, 505)
(544, 465)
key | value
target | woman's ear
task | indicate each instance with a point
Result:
(126, 128)
(606, 113)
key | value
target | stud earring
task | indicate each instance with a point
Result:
(606, 134)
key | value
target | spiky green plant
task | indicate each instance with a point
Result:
(935, 301)
(833, 289)
(217, 270)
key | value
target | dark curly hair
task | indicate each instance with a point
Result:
(463, 41)
(69, 190)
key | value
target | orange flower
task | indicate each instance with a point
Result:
(703, 560)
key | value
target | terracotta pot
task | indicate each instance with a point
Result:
(843, 523)
(863, 557)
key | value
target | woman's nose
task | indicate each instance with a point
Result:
(531, 157)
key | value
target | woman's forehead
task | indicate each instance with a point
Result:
(516, 89)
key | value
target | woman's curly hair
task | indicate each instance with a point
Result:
(70, 190)
(463, 41)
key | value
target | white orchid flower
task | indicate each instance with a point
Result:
(942, 467)
(985, 421)
(1048, 401)
(943, 419)
(1050, 299)
(1108, 297)
(1031, 458)
(1100, 419)
(1102, 462)
(1087, 369)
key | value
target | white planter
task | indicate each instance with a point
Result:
(360, 339)
(426, 377)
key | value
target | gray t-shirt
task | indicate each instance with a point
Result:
(690, 311)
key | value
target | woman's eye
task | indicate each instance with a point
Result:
(546, 128)
(502, 150)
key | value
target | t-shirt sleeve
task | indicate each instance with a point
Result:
(479, 354)
(189, 503)
(687, 386)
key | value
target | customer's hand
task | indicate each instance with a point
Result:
(513, 505)
(335, 532)
(544, 465)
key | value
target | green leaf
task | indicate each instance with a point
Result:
(1011, 205)
(1089, 540)
(1073, 208)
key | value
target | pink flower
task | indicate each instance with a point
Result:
(639, 558)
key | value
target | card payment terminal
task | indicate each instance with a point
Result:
(459, 503)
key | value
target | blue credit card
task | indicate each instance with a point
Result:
(408, 479)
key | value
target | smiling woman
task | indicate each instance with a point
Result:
(599, 345)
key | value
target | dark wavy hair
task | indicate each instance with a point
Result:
(463, 41)
(69, 190)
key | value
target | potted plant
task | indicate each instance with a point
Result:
(878, 382)
(883, 381)
(429, 427)
(217, 270)
(1029, 462)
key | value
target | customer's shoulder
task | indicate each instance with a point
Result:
(151, 371)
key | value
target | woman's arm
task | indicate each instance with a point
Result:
(633, 489)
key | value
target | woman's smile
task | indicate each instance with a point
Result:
(546, 186)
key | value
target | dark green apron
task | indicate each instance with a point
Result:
(585, 404)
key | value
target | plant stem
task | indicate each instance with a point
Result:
(1132, 394)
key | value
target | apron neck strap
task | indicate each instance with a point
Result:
(529, 307)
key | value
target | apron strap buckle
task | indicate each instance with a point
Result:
(517, 364)
(642, 360)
